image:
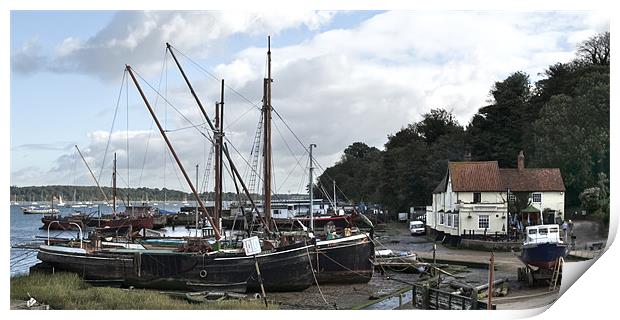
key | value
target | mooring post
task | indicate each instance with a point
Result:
(474, 299)
(491, 269)
(425, 297)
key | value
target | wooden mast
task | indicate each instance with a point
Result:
(217, 209)
(267, 138)
(176, 158)
(114, 186)
(225, 149)
(311, 190)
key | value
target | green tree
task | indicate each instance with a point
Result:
(496, 131)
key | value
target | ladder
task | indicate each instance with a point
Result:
(207, 173)
(557, 273)
(254, 154)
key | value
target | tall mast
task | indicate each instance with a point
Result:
(196, 203)
(310, 186)
(225, 149)
(176, 158)
(267, 136)
(114, 186)
(217, 209)
(335, 201)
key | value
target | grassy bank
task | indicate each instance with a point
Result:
(67, 291)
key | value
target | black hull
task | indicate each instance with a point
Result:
(345, 260)
(100, 266)
(287, 269)
(543, 255)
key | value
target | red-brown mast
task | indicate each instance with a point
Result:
(176, 158)
(267, 136)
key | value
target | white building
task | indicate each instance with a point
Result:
(473, 197)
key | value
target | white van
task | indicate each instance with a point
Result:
(417, 227)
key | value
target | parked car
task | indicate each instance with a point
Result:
(402, 216)
(417, 227)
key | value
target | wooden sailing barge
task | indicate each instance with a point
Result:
(290, 267)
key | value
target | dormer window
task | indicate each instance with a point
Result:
(477, 197)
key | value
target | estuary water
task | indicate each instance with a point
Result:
(26, 228)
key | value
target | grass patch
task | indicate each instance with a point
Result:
(67, 291)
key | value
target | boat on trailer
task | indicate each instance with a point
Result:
(543, 246)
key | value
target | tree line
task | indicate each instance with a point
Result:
(560, 121)
(123, 195)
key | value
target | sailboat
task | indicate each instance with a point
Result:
(200, 264)
(15, 203)
(60, 202)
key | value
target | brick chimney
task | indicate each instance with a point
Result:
(521, 161)
(467, 156)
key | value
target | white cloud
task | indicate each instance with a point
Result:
(337, 87)
(138, 38)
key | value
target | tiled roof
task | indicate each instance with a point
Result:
(532, 179)
(472, 176)
(480, 176)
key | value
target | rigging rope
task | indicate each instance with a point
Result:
(207, 135)
(314, 275)
(118, 100)
(148, 140)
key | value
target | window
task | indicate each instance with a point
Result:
(441, 217)
(456, 221)
(477, 197)
(512, 197)
(532, 231)
(483, 221)
(543, 231)
(536, 197)
(449, 220)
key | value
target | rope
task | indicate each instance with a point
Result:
(297, 164)
(175, 108)
(199, 67)
(314, 275)
(336, 262)
(112, 127)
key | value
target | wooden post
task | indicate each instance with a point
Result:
(260, 280)
(425, 297)
(474, 299)
(491, 269)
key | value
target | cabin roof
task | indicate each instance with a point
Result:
(532, 179)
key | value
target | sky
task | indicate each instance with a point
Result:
(338, 77)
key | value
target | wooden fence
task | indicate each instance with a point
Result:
(432, 299)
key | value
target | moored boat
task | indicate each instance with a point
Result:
(35, 210)
(345, 260)
(283, 269)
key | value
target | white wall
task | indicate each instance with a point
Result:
(551, 200)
